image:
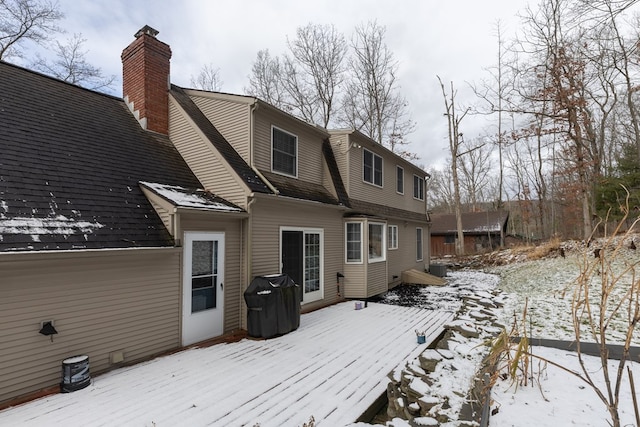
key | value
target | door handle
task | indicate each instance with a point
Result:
(222, 286)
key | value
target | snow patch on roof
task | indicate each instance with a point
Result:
(36, 227)
(191, 198)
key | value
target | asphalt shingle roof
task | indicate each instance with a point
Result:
(472, 222)
(70, 165)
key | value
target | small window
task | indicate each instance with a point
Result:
(418, 187)
(393, 236)
(284, 156)
(354, 242)
(372, 168)
(399, 180)
(376, 242)
(419, 256)
(449, 238)
(204, 275)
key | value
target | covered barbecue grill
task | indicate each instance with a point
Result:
(273, 306)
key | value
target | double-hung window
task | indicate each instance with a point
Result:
(354, 242)
(372, 168)
(399, 180)
(392, 236)
(284, 155)
(418, 187)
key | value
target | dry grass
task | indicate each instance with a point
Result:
(545, 250)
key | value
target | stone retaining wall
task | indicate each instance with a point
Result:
(433, 389)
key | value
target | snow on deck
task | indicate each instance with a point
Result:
(333, 367)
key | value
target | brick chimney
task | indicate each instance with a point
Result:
(145, 80)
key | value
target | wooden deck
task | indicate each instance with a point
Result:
(332, 368)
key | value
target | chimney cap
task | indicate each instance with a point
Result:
(146, 30)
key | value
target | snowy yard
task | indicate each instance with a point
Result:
(336, 364)
(556, 397)
(333, 367)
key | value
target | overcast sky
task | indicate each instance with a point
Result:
(454, 39)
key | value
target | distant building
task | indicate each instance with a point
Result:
(481, 232)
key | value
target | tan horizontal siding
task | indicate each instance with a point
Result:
(233, 289)
(310, 166)
(102, 302)
(269, 216)
(385, 195)
(404, 258)
(203, 160)
(164, 215)
(230, 118)
(377, 278)
(354, 281)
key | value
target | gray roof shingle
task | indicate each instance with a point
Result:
(472, 222)
(70, 163)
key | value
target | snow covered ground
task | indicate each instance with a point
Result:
(333, 367)
(557, 398)
(336, 363)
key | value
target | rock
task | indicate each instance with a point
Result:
(424, 422)
(406, 379)
(414, 409)
(447, 354)
(466, 329)
(416, 369)
(427, 402)
(429, 359)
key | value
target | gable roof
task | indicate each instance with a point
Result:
(194, 198)
(70, 163)
(472, 222)
(267, 180)
(231, 156)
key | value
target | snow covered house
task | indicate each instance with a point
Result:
(481, 232)
(134, 225)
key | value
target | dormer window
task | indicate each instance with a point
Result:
(284, 152)
(372, 168)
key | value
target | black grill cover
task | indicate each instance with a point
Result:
(273, 306)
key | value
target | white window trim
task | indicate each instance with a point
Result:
(397, 169)
(346, 253)
(320, 295)
(297, 152)
(421, 243)
(389, 228)
(364, 150)
(383, 244)
(420, 179)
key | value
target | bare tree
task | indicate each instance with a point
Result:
(318, 53)
(26, 20)
(440, 189)
(307, 81)
(372, 102)
(455, 140)
(207, 79)
(560, 94)
(71, 66)
(266, 79)
(475, 167)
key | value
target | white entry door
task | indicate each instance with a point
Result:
(203, 287)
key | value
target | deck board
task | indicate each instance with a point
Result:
(333, 367)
